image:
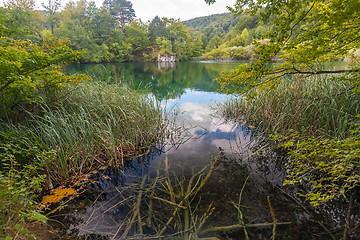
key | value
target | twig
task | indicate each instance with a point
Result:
(170, 220)
(273, 218)
(239, 208)
(169, 202)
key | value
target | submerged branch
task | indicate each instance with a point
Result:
(136, 210)
(273, 218)
(239, 226)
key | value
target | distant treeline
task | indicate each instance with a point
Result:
(111, 33)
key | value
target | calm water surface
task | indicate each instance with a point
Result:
(245, 185)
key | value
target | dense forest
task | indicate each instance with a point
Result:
(112, 33)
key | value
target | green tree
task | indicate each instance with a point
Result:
(25, 5)
(180, 39)
(122, 10)
(52, 8)
(157, 28)
(164, 46)
(213, 43)
(137, 37)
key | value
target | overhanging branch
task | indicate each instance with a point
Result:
(323, 72)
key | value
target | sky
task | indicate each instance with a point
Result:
(183, 9)
(179, 9)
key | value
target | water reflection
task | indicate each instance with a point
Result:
(245, 185)
(163, 80)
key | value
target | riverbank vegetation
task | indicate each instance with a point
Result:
(310, 111)
(56, 128)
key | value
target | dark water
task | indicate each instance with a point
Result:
(170, 194)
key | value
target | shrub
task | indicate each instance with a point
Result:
(20, 180)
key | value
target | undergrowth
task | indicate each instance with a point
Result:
(20, 182)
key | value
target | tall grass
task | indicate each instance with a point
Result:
(314, 106)
(98, 123)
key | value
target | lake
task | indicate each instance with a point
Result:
(207, 182)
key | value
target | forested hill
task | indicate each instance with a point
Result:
(216, 24)
(222, 24)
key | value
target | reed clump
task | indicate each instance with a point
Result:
(315, 106)
(98, 123)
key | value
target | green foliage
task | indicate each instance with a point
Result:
(228, 30)
(104, 39)
(157, 28)
(20, 165)
(51, 13)
(210, 26)
(330, 167)
(213, 43)
(30, 72)
(305, 33)
(164, 46)
(14, 22)
(137, 36)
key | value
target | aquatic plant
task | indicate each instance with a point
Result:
(98, 124)
(315, 106)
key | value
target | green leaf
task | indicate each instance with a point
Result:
(39, 217)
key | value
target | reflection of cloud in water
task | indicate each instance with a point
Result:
(195, 111)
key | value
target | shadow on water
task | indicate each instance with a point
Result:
(223, 182)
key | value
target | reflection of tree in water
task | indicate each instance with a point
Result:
(164, 83)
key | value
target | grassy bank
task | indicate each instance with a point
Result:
(95, 125)
(315, 119)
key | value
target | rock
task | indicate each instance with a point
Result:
(166, 58)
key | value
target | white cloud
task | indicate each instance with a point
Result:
(184, 9)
